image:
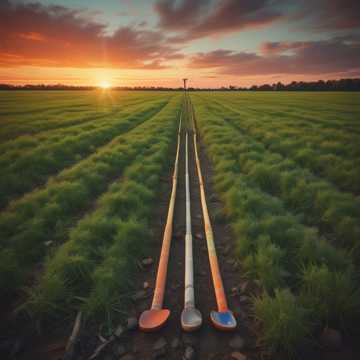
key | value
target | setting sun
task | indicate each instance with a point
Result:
(104, 85)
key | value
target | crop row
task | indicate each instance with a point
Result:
(32, 167)
(45, 216)
(304, 109)
(326, 162)
(37, 132)
(12, 150)
(304, 281)
(316, 200)
(336, 141)
(95, 263)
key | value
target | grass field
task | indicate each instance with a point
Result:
(81, 173)
(90, 190)
(287, 169)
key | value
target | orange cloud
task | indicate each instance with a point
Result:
(335, 56)
(34, 34)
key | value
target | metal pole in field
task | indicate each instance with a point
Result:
(190, 317)
(153, 319)
(223, 319)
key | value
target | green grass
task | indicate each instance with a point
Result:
(50, 213)
(80, 175)
(286, 167)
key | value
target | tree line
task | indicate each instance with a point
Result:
(320, 85)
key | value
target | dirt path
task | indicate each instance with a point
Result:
(208, 343)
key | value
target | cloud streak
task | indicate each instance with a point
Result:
(330, 14)
(34, 34)
(197, 19)
(338, 55)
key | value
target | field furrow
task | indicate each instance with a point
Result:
(13, 149)
(317, 201)
(342, 172)
(97, 260)
(45, 215)
(32, 168)
(64, 117)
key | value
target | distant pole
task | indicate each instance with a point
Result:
(185, 80)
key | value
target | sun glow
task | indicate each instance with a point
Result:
(104, 85)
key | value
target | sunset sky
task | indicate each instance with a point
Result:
(158, 42)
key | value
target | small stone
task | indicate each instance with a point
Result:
(127, 357)
(148, 261)
(226, 249)
(237, 342)
(132, 323)
(331, 339)
(140, 295)
(238, 356)
(160, 344)
(243, 299)
(48, 243)
(146, 285)
(244, 286)
(119, 350)
(119, 331)
(189, 353)
(175, 343)
(199, 236)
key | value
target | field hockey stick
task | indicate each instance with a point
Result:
(190, 317)
(153, 319)
(223, 318)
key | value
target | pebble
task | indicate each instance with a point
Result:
(243, 298)
(237, 342)
(127, 357)
(238, 356)
(199, 236)
(146, 285)
(141, 294)
(147, 261)
(132, 323)
(175, 343)
(189, 353)
(160, 344)
(234, 291)
(226, 249)
(119, 331)
(244, 286)
(331, 339)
